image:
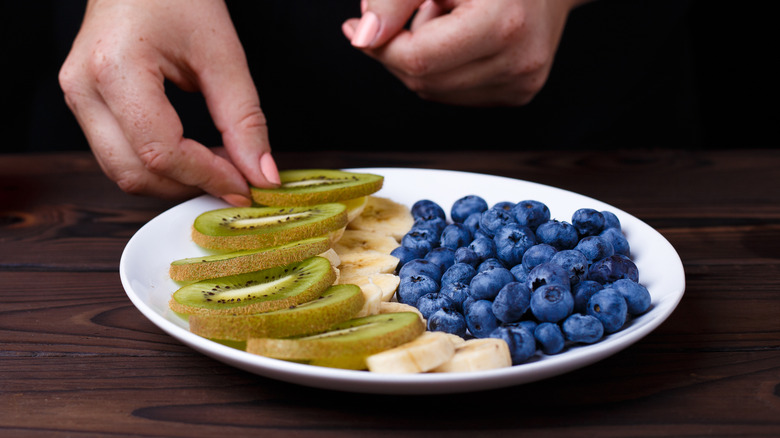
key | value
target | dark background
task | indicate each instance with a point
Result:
(628, 74)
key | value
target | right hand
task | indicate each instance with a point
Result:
(113, 80)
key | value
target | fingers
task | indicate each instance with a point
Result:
(381, 20)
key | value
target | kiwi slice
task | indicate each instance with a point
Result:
(345, 342)
(254, 292)
(239, 262)
(337, 304)
(238, 228)
(318, 186)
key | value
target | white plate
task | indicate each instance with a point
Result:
(144, 274)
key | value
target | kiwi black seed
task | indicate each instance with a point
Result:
(318, 186)
(239, 262)
(238, 228)
(356, 338)
(337, 304)
(259, 291)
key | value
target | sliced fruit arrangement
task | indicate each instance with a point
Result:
(239, 228)
(317, 186)
(355, 340)
(260, 291)
(337, 304)
(240, 262)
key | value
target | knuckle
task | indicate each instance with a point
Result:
(155, 158)
(415, 65)
(132, 182)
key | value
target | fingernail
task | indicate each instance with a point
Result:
(366, 30)
(268, 167)
(363, 6)
(237, 200)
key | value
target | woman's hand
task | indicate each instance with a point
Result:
(113, 81)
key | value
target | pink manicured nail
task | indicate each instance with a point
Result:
(268, 167)
(366, 30)
(237, 200)
(363, 6)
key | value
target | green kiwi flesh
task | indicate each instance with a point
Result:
(318, 186)
(337, 304)
(254, 292)
(348, 341)
(238, 228)
(239, 262)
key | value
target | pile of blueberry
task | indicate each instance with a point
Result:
(510, 271)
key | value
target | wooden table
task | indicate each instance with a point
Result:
(78, 359)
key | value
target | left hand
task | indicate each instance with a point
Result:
(464, 52)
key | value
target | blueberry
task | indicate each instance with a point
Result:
(504, 205)
(559, 234)
(417, 241)
(609, 306)
(467, 304)
(618, 241)
(551, 303)
(484, 247)
(458, 273)
(530, 324)
(458, 292)
(549, 337)
(582, 292)
(472, 223)
(486, 284)
(547, 274)
(573, 262)
(480, 233)
(637, 296)
(417, 234)
(512, 241)
(588, 222)
(427, 209)
(467, 205)
(613, 268)
(531, 213)
(480, 319)
(405, 254)
(583, 329)
(467, 256)
(538, 254)
(454, 236)
(431, 302)
(521, 342)
(595, 248)
(520, 273)
(489, 264)
(444, 257)
(411, 288)
(448, 321)
(421, 267)
(512, 302)
(493, 219)
(610, 220)
(436, 225)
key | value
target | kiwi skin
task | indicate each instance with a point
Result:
(343, 186)
(179, 302)
(239, 262)
(211, 229)
(337, 304)
(367, 335)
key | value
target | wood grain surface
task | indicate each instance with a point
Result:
(77, 359)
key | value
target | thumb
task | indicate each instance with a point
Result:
(381, 21)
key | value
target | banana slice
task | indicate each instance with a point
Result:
(355, 207)
(395, 307)
(388, 283)
(477, 355)
(373, 298)
(428, 351)
(360, 240)
(384, 216)
(357, 265)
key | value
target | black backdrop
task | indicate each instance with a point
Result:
(628, 74)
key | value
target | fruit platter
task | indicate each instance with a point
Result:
(404, 281)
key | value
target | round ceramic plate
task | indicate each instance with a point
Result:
(147, 256)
